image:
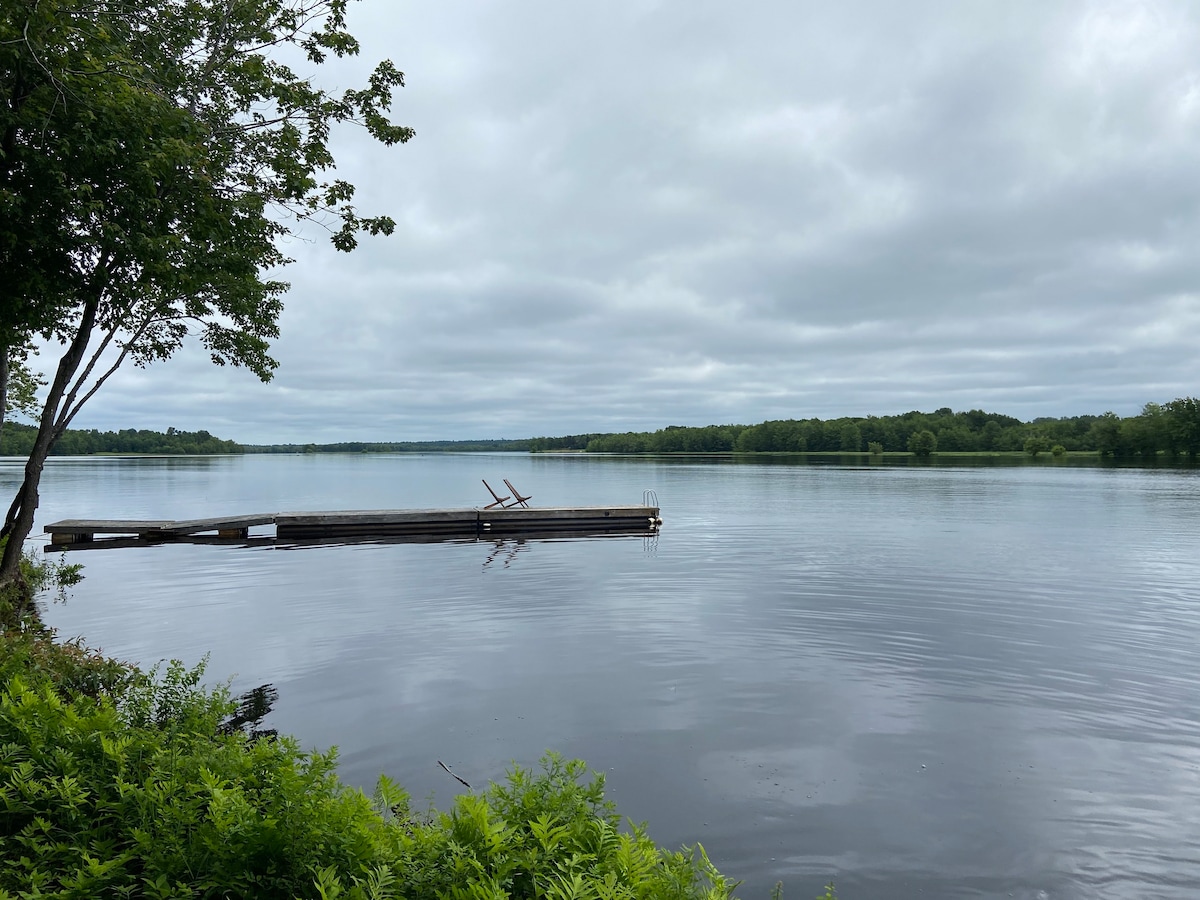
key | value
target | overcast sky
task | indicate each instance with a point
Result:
(624, 215)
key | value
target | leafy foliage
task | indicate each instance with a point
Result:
(1183, 425)
(1036, 443)
(565, 442)
(850, 437)
(70, 668)
(145, 797)
(923, 443)
(154, 154)
(545, 834)
(481, 446)
(1172, 429)
(22, 386)
(125, 783)
(18, 440)
(17, 610)
(154, 150)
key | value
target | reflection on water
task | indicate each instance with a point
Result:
(292, 543)
(934, 682)
(252, 707)
(506, 551)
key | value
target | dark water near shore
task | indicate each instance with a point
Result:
(921, 682)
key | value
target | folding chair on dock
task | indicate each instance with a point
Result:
(500, 501)
(517, 498)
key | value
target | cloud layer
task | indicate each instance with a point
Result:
(627, 215)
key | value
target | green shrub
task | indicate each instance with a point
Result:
(126, 784)
(547, 835)
(1058, 450)
(70, 668)
(43, 574)
(1036, 443)
(922, 443)
(144, 797)
(17, 610)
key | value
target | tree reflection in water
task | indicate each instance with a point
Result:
(253, 707)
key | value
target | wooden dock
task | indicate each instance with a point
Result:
(362, 524)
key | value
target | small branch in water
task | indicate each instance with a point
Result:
(452, 775)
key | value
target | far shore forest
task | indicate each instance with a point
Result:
(1169, 430)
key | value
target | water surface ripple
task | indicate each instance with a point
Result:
(922, 682)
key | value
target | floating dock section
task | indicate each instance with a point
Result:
(432, 524)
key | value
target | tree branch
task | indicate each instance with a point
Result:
(70, 408)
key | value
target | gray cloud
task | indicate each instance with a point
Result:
(642, 213)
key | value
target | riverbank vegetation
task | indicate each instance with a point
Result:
(118, 782)
(18, 440)
(478, 446)
(1168, 429)
(1171, 429)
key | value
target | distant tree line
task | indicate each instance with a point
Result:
(1168, 428)
(1171, 429)
(17, 440)
(513, 446)
(566, 442)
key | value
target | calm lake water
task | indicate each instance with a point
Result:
(918, 681)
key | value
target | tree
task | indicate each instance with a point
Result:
(922, 443)
(1105, 434)
(1149, 432)
(957, 437)
(153, 153)
(1185, 425)
(1036, 443)
(18, 385)
(851, 438)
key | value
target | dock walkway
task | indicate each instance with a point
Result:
(368, 523)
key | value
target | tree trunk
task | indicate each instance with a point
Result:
(20, 516)
(3, 387)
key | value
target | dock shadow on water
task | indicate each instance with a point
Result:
(268, 541)
(422, 524)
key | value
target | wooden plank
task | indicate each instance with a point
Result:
(553, 519)
(570, 513)
(85, 542)
(118, 542)
(106, 526)
(377, 522)
(318, 532)
(377, 516)
(217, 523)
